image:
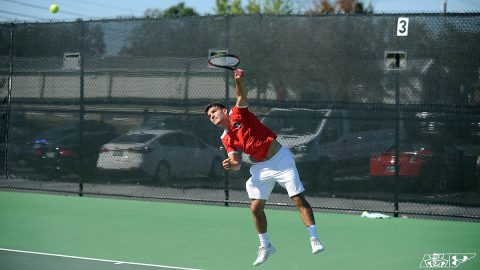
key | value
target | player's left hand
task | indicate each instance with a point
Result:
(226, 164)
(229, 164)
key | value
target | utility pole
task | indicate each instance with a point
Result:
(443, 6)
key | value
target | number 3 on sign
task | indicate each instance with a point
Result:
(402, 27)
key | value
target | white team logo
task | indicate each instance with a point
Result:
(445, 260)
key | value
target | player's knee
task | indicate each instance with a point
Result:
(257, 207)
(300, 202)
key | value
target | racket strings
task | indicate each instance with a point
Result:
(226, 61)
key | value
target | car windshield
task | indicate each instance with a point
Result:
(133, 138)
(161, 123)
(52, 134)
(295, 122)
(71, 138)
(413, 147)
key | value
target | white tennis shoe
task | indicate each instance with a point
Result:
(263, 254)
(316, 245)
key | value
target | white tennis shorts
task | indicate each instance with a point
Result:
(279, 169)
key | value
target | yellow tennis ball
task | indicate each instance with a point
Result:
(53, 8)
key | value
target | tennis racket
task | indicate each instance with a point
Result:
(226, 61)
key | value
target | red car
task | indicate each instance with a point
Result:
(411, 162)
(434, 167)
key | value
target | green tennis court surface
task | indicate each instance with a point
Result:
(18, 259)
(62, 232)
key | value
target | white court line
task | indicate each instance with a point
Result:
(98, 260)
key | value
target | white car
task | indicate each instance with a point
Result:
(161, 155)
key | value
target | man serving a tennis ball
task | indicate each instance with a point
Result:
(275, 164)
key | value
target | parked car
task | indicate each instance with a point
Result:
(442, 126)
(477, 172)
(432, 124)
(160, 155)
(471, 154)
(59, 150)
(429, 166)
(161, 122)
(191, 123)
(328, 143)
(18, 134)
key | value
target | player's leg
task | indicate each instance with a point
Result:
(259, 190)
(287, 176)
(259, 218)
(265, 249)
(306, 213)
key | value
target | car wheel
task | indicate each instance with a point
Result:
(477, 182)
(322, 176)
(54, 175)
(103, 176)
(427, 181)
(434, 178)
(441, 181)
(378, 183)
(162, 174)
(87, 168)
(216, 169)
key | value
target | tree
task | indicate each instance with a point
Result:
(253, 7)
(221, 7)
(53, 40)
(179, 11)
(153, 13)
(320, 7)
(166, 37)
(340, 7)
(5, 40)
(277, 7)
(453, 47)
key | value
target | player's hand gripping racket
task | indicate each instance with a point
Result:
(227, 61)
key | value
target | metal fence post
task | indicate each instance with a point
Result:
(397, 141)
(227, 95)
(227, 188)
(187, 85)
(82, 106)
(9, 96)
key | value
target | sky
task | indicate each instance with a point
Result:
(38, 10)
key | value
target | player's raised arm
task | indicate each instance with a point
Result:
(240, 90)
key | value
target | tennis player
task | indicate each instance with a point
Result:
(275, 164)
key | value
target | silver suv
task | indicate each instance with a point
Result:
(331, 143)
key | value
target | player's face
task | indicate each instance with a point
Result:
(216, 115)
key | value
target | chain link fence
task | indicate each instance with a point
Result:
(375, 121)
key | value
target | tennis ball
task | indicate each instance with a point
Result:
(53, 8)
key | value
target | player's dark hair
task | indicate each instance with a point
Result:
(214, 104)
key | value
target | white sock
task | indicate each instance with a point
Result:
(313, 231)
(264, 242)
